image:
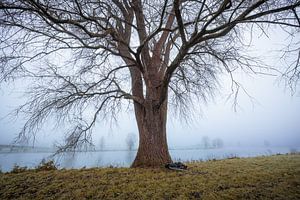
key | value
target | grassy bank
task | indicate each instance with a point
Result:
(274, 177)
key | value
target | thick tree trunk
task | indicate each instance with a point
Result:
(153, 148)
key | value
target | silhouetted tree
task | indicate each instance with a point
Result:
(85, 57)
(131, 141)
(205, 142)
(102, 143)
(217, 143)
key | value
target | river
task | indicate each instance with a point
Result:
(125, 158)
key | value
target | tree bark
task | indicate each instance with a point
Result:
(153, 148)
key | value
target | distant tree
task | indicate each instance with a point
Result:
(131, 141)
(217, 143)
(148, 52)
(102, 143)
(205, 142)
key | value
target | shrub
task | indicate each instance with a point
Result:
(17, 169)
(46, 166)
(293, 151)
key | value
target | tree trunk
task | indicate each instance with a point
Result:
(153, 148)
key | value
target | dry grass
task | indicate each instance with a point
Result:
(274, 177)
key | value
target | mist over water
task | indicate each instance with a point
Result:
(125, 158)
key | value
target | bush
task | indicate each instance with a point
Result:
(293, 151)
(17, 169)
(46, 166)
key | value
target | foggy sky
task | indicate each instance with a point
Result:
(274, 115)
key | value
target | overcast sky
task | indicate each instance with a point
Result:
(273, 116)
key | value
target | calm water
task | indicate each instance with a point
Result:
(125, 158)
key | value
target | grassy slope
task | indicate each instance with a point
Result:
(275, 177)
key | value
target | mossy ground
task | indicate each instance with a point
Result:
(274, 177)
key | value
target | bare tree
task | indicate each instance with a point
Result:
(205, 142)
(88, 56)
(217, 143)
(102, 143)
(131, 141)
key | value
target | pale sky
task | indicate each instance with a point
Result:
(274, 116)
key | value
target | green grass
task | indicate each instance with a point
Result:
(274, 177)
